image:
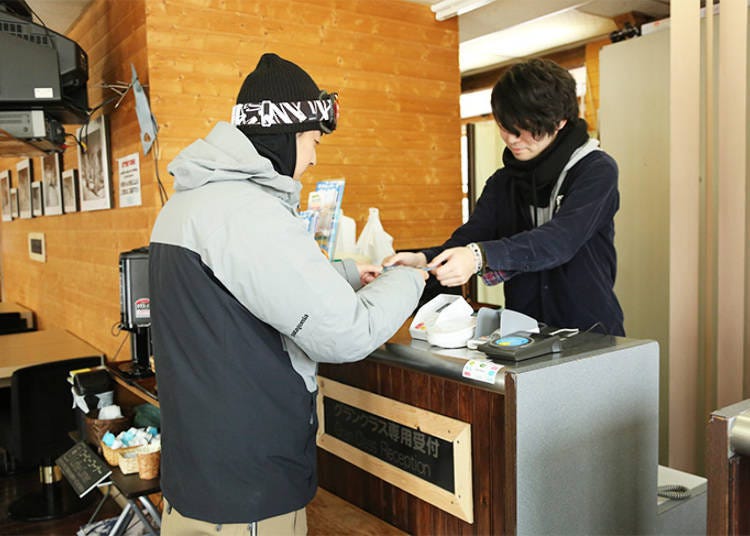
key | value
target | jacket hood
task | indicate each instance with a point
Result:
(227, 155)
(590, 146)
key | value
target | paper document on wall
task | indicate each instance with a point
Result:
(129, 171)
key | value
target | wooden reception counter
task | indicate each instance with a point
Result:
(565, 443)
(728, 470)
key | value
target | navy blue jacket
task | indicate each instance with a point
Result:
(562, 273)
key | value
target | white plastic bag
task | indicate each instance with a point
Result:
(374, 243)
(346, 237)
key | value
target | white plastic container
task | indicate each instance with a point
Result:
(446, 320)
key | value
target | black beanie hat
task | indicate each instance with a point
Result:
(278, 80)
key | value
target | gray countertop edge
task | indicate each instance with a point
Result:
(449, 363)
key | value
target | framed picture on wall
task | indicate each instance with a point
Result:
(70, 190)
(50, 165)
(23, 173)
(37, 206)
(5, 195)
(14, 202)
(94, 180)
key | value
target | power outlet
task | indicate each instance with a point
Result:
(37, 247)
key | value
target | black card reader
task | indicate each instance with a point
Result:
(519, 345)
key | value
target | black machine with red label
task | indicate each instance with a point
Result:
(135, 310)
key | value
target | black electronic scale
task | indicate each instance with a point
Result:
(519, 345)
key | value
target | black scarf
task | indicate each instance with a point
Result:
(533, 180)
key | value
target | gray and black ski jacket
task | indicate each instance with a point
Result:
(244, 305)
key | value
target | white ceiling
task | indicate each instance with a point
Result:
(504, 30)
(489, 36)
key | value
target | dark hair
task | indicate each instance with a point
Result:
(535, 96)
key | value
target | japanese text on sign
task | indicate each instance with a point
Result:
(423, 455)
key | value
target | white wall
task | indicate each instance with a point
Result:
(636, 94)
(634, 129)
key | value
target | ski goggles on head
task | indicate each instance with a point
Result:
(329, 125)
(280, 116)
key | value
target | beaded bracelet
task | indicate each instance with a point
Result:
(478, 257)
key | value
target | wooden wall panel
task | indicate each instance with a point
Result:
(78, 287)
(394, 66)
(591, 112)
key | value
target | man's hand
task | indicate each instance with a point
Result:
(368, 272)
(454, 266)
(406, 258)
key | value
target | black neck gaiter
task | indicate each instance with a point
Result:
(280, 149)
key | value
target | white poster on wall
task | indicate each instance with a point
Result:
(130, 180)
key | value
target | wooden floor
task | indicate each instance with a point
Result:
(327, 514)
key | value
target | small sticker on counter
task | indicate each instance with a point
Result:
(481, 370)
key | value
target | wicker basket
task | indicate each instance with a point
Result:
(149, 458)
(113, 455)
(96, 428)
(128, 461)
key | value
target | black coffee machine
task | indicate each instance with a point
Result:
(135, 311)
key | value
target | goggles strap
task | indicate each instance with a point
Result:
(267, 113)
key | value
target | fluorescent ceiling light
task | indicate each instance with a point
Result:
(452, 8)
(527, 39)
